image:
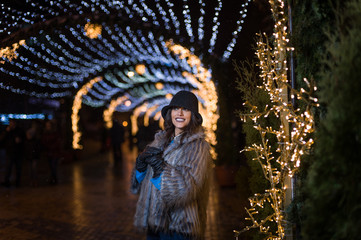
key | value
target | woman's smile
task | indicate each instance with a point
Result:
(180, 119)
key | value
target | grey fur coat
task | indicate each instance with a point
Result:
(180, 205)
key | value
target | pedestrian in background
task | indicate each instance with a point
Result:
(14, 139)
(117, 138)
(32, 150)
(51, 143)
(172, 175)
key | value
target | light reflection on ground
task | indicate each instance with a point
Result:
(92, 201)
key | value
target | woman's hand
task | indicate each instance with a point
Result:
(140, 164)
(149, 152)
(157, 163)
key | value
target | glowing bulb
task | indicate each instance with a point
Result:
(140, 69)
(130, 74)
(159, 86)
(127, 103)
(92, 30)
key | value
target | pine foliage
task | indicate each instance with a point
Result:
(310, 19)
(333, 208)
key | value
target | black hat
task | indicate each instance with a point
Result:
(186, 100)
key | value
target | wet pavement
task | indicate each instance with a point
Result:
(92, 201)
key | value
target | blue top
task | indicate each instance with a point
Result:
(156, 181)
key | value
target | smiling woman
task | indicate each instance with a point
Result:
(172, 175)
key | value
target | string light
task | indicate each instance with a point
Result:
(201, 20)
(159, 86)
(148, 113)
(140, 69)
(10, 52)
(291, 144)
(235, 34)
(187, 20)
(92, 30)
(76, 108)
(108, 113)
(133, 118)
(215, 27)
(4, 118)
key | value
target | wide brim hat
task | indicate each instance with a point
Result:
(186, 100)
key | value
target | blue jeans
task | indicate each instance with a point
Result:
(166, 236)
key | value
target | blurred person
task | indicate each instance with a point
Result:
(14, 138)
(117, 138)
(172, 175)
(104, 135)
(32, 150)
(51, 143)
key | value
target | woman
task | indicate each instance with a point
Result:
(172, 175)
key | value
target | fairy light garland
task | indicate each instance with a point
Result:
(188, 20)
(133, 118)
(165, 19)
(50, 63)
(292, 144)
(215, 27)
(10, 52)
(243, 15)
(201, 20)
(92, 30)
(108, 113)
(148, 113)
(174, 18)
(76, 108)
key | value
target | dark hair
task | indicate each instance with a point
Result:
(193, 126)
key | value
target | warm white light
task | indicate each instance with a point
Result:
(108, 113)
(130, 74)
(93, 30)
(140, 69)
(10, 53)
(159, 86)
(169, 96)
(76, 108)
(128, 103)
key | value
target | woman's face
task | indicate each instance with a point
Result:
(180, 118)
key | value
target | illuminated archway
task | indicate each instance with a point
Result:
(75, 111)
(125, 42)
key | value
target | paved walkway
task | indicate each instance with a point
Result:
(92, 201)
